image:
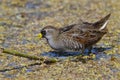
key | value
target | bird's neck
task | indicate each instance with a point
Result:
(53, 42)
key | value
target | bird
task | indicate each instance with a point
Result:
(75, 37)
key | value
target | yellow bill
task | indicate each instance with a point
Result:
(39, 35)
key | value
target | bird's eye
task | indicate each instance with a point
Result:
(43, 32)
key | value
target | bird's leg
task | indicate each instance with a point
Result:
(80, 56)
(89, 49)
(83, 50)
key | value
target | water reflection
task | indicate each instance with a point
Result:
(99, 52)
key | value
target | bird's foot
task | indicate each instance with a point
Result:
(83, 57)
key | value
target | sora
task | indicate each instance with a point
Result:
(75, 37)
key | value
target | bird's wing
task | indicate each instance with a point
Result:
(84, 37)
(100, 25)
(66, 28)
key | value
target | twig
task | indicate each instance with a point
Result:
(16, 53)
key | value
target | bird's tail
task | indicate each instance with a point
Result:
(101, 24)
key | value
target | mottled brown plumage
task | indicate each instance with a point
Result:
(75, 37)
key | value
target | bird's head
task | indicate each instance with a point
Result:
(48, 32)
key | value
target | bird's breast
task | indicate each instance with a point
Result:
(55, 44)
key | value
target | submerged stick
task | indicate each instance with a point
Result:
(16, 53)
